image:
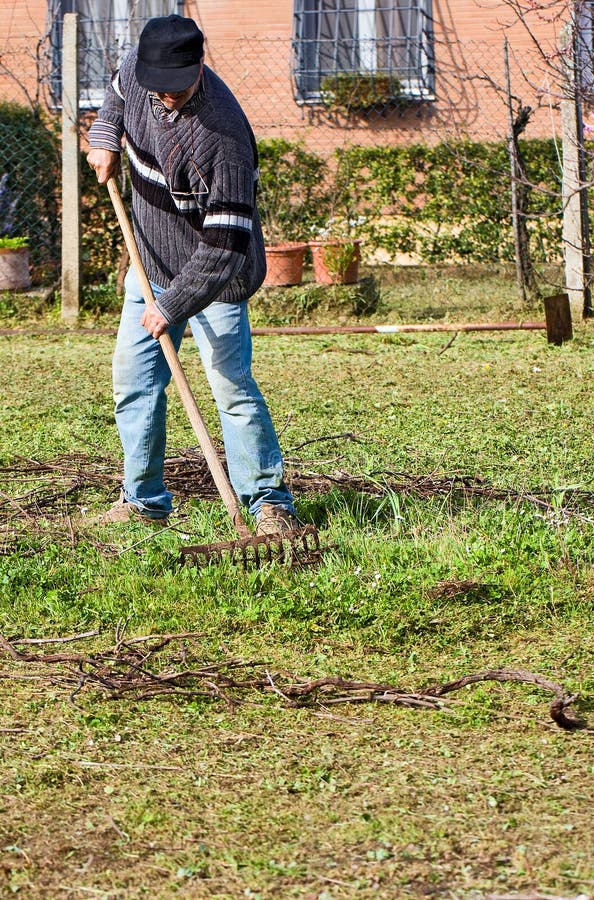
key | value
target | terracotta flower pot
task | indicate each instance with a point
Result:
(336, 262)
(14, 269)
(284, 263)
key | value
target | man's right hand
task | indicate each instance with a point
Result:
(106, 163)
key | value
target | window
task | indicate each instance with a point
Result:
(107, 30)
(391, 38)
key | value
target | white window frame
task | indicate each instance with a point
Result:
(108, 29)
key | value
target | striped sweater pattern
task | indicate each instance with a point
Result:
(194, 178)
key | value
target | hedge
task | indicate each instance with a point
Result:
(30, 157)
(451, 202)
(448, 203)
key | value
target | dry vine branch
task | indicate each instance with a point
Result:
(187, 473)
(45, 493)
(136, 668)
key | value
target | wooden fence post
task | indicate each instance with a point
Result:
(70, 171)
(558, 319)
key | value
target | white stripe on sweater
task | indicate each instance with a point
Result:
(115, 83)
(187, 204)
(105, 136)
(147, 172)
(227, 220)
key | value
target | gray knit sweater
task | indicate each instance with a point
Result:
(194, 176)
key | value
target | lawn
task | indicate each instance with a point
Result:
(450, 477)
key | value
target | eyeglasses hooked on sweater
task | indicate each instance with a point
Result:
(190, 200)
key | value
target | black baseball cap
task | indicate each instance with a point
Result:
(170, 51)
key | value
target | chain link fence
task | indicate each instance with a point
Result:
(418, 179)
(30, 173)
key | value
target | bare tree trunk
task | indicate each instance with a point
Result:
(523, 190)
(70, 172)
(520, 194)
(576, 231)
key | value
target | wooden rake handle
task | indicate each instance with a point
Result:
(204, 439)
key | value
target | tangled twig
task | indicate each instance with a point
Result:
(137, 669)
(56, 483)
(52, 490)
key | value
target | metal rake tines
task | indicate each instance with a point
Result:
(298, 547)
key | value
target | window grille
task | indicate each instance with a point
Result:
(392, 38)
(107, 30)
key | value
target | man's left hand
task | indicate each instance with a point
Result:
(153, 321)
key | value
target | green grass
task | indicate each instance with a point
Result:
(419, 586)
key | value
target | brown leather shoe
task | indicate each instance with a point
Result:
(123, 511)
(274, 519)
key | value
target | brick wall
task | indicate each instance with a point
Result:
(22, 24)
(249, 46)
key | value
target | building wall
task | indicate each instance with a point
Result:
(249, 46)
(250, 49)
(22, 25)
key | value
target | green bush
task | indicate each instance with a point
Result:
(293, 196)
(451, 202)
(446, 203)
(101, 238)
(30, 156)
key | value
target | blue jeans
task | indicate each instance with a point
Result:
(140, 377)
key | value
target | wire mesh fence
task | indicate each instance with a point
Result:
(417, 178)
(29, 168)
(104, 39)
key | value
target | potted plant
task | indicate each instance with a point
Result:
(14, 249)
(360, 92)
(291, 195)
(336, 251)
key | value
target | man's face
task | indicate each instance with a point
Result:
(176, 99)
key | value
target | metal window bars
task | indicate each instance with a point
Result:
(392, 38)
(107, 31)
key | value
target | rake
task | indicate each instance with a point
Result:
(297, 547)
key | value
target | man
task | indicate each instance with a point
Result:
(193, 165)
